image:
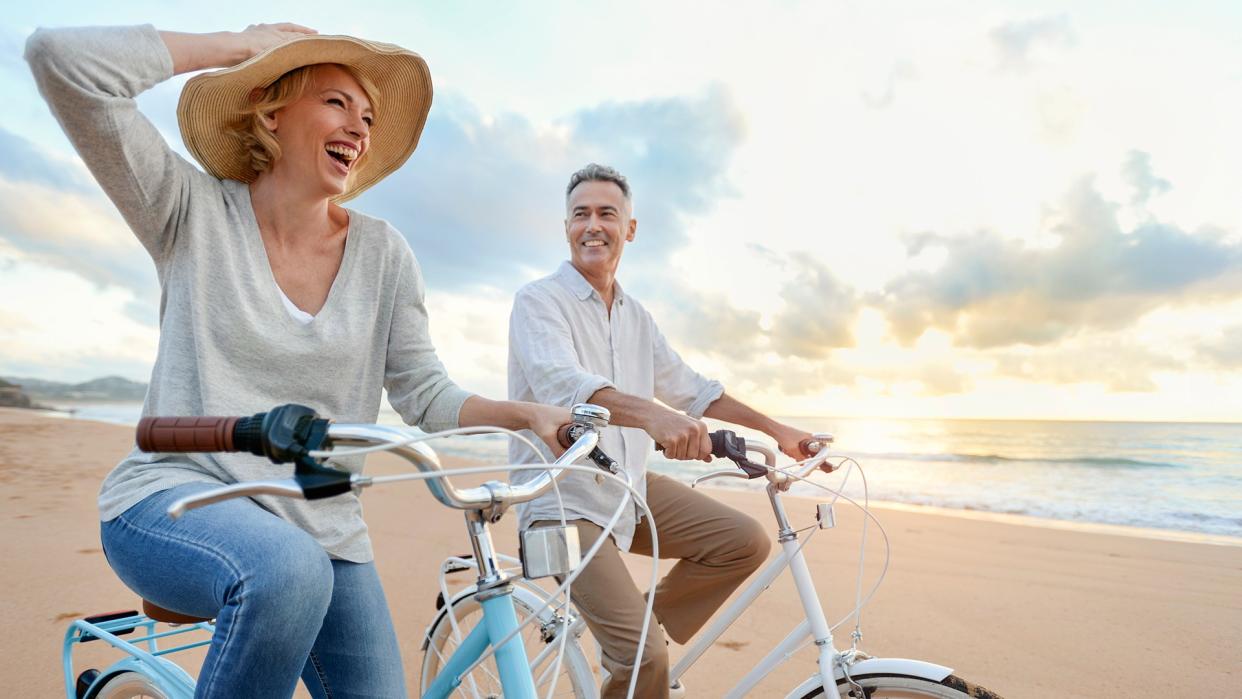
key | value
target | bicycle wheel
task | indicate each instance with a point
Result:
(130, 685)
(574, 678)
(907, 687)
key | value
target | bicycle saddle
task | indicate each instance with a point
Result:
(158, 613)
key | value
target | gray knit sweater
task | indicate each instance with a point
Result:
(227, 345)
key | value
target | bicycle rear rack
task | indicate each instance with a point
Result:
(109, 628)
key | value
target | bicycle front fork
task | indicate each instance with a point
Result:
(499, 620)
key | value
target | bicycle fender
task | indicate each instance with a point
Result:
(171, 677)
(881, 666)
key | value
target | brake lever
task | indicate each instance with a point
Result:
(289, 488)
(604, 461)
(727, 473)
(597, 455)
(728, 445)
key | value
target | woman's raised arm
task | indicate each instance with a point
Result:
(90, 77)
(191, 52)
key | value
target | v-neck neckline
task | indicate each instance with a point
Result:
(275, 290)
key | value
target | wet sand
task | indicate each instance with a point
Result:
(1027, 611)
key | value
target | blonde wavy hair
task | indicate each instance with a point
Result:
(259, 142)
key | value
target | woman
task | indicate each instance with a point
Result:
(271, 293)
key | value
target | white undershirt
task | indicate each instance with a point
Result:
(298, 314)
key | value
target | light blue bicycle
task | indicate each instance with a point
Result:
(295, 434)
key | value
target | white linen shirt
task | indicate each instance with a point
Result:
(564, 346)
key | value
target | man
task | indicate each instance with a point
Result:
(576, 337)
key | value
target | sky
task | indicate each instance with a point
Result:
(945, 209)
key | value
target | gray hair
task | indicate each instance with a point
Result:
(597, 173)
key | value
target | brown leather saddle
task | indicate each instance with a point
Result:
(158, 613)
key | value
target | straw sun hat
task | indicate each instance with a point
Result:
(214, 103)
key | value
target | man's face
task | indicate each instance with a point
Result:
(598, 227)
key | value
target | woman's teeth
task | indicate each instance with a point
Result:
(342, 153)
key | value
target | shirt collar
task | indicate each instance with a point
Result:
(572, 278)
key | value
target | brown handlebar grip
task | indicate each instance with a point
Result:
(805, 447)
(186, 434)
(562, 436)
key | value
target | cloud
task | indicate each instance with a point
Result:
(1225, 351)
(12, 45)
(1017, 43)
(25, 162)
(1113, 361)
(815, 316)
(818, 310)
(67, 327)
(77, 231)
(902, 71)
(1137, 172)
(482, 200)
(787, 376)
(994, 291)
(793, 354)
(707, 322)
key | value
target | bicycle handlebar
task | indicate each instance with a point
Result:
(726, 444)
(291, 432)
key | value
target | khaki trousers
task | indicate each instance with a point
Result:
(718, 548)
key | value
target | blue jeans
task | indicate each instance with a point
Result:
(282, 607)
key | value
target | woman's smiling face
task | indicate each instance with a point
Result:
(324, 134)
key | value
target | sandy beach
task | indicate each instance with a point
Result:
(1027, 611)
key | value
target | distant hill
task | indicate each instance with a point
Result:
(108, 388)
(11, 396)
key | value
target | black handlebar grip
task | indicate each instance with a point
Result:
(248, 434)
(186, 434)
(720, 443)
(716, 436)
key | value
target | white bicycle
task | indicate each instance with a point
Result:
(558, 661)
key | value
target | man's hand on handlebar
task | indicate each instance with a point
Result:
(789, 440)
(544, 420)
(679, 436)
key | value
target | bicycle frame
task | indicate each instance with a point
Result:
(833, 664)
(814, 626)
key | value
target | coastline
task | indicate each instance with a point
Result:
(1065, 525)
(1024, 610)
(69, 411)
(1022, 520)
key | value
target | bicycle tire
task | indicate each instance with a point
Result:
(129, 685)
(575, 678)
(890, 686)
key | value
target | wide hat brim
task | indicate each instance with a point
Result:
(214, 104)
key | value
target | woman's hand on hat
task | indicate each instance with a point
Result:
(190, 52)
(260, 37)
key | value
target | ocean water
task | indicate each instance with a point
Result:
(1177, 476)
